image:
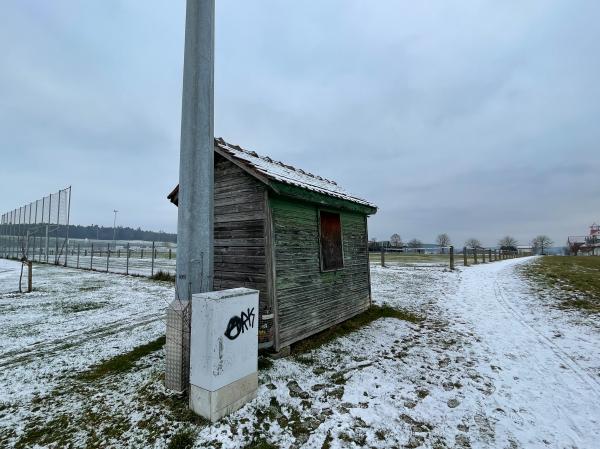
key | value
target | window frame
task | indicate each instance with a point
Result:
(337, 212)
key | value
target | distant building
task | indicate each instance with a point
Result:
(587, 244)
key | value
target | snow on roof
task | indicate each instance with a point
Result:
(287, 174)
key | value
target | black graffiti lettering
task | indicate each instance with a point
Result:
(234, 328)
(238, 324)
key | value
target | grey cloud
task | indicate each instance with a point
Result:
(476, 119)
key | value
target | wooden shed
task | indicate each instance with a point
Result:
(300, 239)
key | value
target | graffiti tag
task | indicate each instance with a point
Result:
(238, 324)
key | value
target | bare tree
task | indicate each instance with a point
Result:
(541, 243)
(508, 242)
(415, 243)
(396, 240)
(443, 240)
(473, 243)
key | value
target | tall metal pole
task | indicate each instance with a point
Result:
(56, 256)
(196, 169)
(115, 229)
(68, 224)
(194, 273)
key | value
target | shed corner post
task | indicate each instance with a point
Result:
(368, 259)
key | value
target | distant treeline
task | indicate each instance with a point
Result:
(102, 233)
(94, 232)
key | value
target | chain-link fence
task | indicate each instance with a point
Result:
(41, 226)
(126, 257)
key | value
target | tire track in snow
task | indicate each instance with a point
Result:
(545, 341)
(12, 358)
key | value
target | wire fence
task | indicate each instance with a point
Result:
(45, 221)
(442, 257)
(124, 257)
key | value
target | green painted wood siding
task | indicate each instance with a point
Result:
(309, 300)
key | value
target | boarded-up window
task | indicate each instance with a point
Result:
(332, 257)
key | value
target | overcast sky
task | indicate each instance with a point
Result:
(476, 118)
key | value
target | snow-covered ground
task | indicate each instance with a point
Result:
(493, 364)
(72, 320)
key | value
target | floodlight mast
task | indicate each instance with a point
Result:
(115, 229)
(196, 163)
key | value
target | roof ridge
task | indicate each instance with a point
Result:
(223, 142)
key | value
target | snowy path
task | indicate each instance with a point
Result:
(548, 391)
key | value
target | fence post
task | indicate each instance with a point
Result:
(107, 256)
(29, 276)
(465, 261)
(92, 257)
(169, 253)
(47, 239)
(142, 253)
(452, 258)
(78, 251)
(127, 264)
(474, 256)
(483, 256)
(382, 256)
(153, 254)
(118, 253)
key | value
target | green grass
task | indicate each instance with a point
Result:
(81, 306)
(351, 325)
(184, 439)
(121, 363)
(572, 274)
(163, 276)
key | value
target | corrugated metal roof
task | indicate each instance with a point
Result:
(264, 166)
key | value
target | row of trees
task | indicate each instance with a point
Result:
(94, 232)
(539, 244)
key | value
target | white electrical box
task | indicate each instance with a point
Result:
(223, 351)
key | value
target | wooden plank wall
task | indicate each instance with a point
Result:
(309, 300)
(239, 230)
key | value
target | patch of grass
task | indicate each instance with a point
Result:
(327, 441)
(577, 276)
(264, 363)
(90, 288)
(121, 362)
(184, 439)
(38, 433)
(163, 276)
(353, 324)
(308, 360)
(81, 306)
(260, 443)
